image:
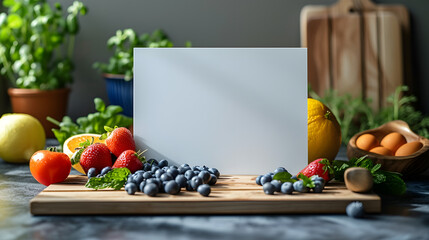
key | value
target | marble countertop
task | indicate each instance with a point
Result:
(405, 217)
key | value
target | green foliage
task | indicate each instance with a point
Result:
(93, 123)
(384, 182)
(284, 177)
(355, 115)
(115, 179)
(123, 44)
(36, 43)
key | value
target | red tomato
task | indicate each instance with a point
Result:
(49, 167)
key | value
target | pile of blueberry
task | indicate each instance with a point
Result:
(158, 177)
(270, 186)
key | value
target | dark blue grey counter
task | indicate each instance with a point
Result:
(406, 217)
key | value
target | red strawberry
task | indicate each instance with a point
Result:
(119, 140)
(321, 167)
(129, 159)
(96, 156)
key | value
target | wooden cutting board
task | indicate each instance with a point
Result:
(230, 195)
(357, 47)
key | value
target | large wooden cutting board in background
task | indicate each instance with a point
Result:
(230, 195)
(357, 47)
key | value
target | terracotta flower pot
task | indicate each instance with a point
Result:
(40, 104)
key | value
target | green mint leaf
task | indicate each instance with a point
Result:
(306, 181)
(86, 143)
(284, 177)
(76, 156)
(378, 178)
(393, 185)
(115, 179)
(99, 105)
(376, 168)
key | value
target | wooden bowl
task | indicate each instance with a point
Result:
(410, 165)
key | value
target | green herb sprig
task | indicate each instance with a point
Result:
(115, 179)
(385, 182)
(93, 123)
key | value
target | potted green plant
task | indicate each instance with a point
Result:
(118, 72)
(36, 48)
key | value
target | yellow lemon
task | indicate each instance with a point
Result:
(72, 143)
(324, 132)
(20, 136)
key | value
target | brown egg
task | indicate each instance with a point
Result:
(408, 148)
(393, 141)
(382, 151)
(366, 142)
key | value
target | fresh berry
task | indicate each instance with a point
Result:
(277, 184)
(163, 163)
(138, 178)
(95, 156)
(287, 188)
(196, 181)
(355, 210)
(129, 159)
(173, 172)
(214, 171)
(92, 172)
(147, 175)
(317, 178)
(189, 174)
(189, 186)
(205, 175)
(141, 186)
(299, 187)
(266, 178)
(320, 167)
(204, 189)
(131, 188)
(172, 187)
(153, 162)
(258, 180)
(119, 140)
(181, 180)
(213, 180)
(269, 188)
(158, 173)
(150, 189)
(318, 186)
(280, 169)
(165, 177)
(105, 170)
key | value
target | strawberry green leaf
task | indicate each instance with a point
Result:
(87, 143)
(76, 156)
(284, 177)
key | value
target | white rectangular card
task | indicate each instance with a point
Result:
(240, 110)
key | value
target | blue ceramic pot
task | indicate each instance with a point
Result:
(120, 92)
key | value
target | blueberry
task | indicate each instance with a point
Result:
(173, 172)
(163, 163)
(131, 179)
(189, 186)
(158, 173)
(195, 168)
(150, 189)
(287, 188)
(138, 178)
(105, 170)
(196, 172)
(205, 175)
(277, 184)
(142, 184)
(299, 187)
(166, 177)
(147, 167)
(204, 189)
(172, 187)
(92, 172)
(269, 188)
(131, 188)
(154, 181)
(154, 168)
(265, 179)
(173, 167)
(196, 181)
(214, 171)
(181, 180)
(355, 210)
(258, 180)
(318, 186)
(213, 180)
(317, 178)
(189, 174)
(165, 168)
(185, 165)
(153, 162)
(147, 175)
(280, 169)
(182, 170)
(294, 178)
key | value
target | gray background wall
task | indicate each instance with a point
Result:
(212, 23)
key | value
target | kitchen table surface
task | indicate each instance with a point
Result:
(405, 217)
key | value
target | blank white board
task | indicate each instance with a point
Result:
(241, 110)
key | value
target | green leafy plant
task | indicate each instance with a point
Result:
(93, 123)
(384, 182)
(123, 43)
(115, 179)
(37, 43)
(355, 114)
